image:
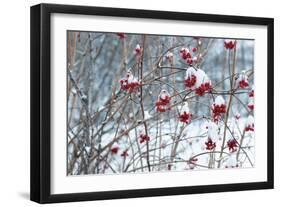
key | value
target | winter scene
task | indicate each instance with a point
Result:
(140, 103)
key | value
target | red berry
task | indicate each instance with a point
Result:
(185, 117)
(114, 150)
(121, 35)
(144, 138)
(229, 44)
(232, 145)
(124, 153)
(210, 145)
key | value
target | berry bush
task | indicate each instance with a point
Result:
(143, 103)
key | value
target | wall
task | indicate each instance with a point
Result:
(14, 104)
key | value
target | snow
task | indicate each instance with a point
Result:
(213, 131)
(190, 71)
(169, 55)
(101, 108)
(88, 149)
(84, 97)
(231, 162)
(251, 101)
(138, 47)
(243, 76)
(130, 77)
(74, 91)
(201, 78)
(184, 108)
(147, 115)
(250, 121)
(163, 94)
(219, 100)
(237, 115)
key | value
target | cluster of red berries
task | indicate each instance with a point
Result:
(232, 145)
(190, 81)
(229, 44)
(250, 124)
(203, 88)
(251, 104)
(186, 55)
(213, 135)
(249, 128)
(129, 83)
(114, 150)
(218, 108)
(144, 138)
(163, 102)
(185, 117)
(125, 153)
(243, 80)
(210, 145)
(243, 83)
(190, 78)
(198, 80)
(130, 87)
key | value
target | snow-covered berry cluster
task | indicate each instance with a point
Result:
(185, 116)
(251, 94)
(251, 103)
(197, 79)
(243, 80)
(218, 108)
(138, 50)
(250, 124)
(129, 83)
(213, 136)
(210, 144)
(163, 102)
(190, 78)
(189, 56)
(203, 83)
(186, 55)
(232, 145)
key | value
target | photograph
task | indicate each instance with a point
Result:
(144, 103)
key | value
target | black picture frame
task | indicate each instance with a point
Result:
(41, 102)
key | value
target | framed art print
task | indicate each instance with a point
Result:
(132, 103)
